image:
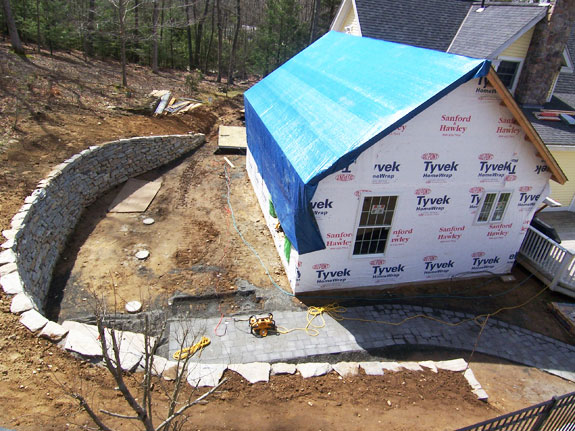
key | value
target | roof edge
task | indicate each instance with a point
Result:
(521, 32)
(557, 173)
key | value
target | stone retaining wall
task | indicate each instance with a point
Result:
(40, 229)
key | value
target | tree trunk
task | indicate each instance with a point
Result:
(89, 47)
(208, 51)
(121, 12)
(199, 33)
(220, 40)
(38, 25)
(155, 37)
(234, 44)
(312, 33)
(136, 53)
(12, 30)
(189, 37)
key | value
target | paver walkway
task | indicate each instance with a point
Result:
(234, 343)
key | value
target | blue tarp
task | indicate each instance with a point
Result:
(316, 113)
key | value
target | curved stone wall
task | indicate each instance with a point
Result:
(40, 229)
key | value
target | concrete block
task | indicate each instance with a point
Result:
(347, 369)
(475, 385)
(314, 369)
(33, 320)
(20, 304)
(253, 372)
(282, 368)
(53, 331)
(200, 375)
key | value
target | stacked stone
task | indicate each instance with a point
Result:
(41, 227)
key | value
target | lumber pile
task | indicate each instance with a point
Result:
(568, 117)
(166, 104)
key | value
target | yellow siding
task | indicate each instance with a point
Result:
(564, 193)
(351, 22)
(519, 48)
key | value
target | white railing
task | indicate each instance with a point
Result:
(549, 261)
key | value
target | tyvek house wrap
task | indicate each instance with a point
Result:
(316, 113)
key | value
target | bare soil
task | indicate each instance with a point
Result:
(52, 108)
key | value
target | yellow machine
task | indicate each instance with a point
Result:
(261, 325)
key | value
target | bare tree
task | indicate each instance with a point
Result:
(12, 30)
(220, 39)
(235, 43)
(155, 15)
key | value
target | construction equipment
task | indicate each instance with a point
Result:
(260, 326)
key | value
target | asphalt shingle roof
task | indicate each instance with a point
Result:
(566, 83)
(425, 23)
(483, 34)
(555, 132)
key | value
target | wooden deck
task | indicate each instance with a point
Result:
(564, 224)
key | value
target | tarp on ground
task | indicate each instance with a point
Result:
(316, 113)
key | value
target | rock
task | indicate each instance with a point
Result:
(429, 364)
(253, 372)
(282, 368)
(391, 366)
(7, 256)
(82, 339)
(411, 366)
(148, 221)
(142, 254)
(134, 307)
(8, 244)
(452, 365)
(372, 368)
(475, 385)
(53, 331)
(33, 320)
(314, 369)
(20, 304)
(9, 233)
(347, 369)
(163, 367)
(205, 374)
(11, 283)
(8, 268)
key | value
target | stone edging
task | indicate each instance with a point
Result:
(41, 227)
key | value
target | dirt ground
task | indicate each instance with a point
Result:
(52, 108)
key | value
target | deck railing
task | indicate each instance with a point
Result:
(549, 261)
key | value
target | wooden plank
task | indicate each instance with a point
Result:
(135, 196)
(163, 103)
(231, 137)
(565, 313)
(557, 173)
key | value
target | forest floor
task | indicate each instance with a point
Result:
(54, 107)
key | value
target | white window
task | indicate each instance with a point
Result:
(493, 206)
(374, 225)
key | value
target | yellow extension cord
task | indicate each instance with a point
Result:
(336, 312)
(189, 351)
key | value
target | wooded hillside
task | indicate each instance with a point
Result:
(227, 37)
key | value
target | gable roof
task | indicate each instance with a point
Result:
(428, 24)
(566, 82)
(486, 32)
(315, 114)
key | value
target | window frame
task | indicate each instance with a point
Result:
(493, 209)
(519, 62)
(357, 225)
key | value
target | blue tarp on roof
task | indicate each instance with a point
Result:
(316, 113)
